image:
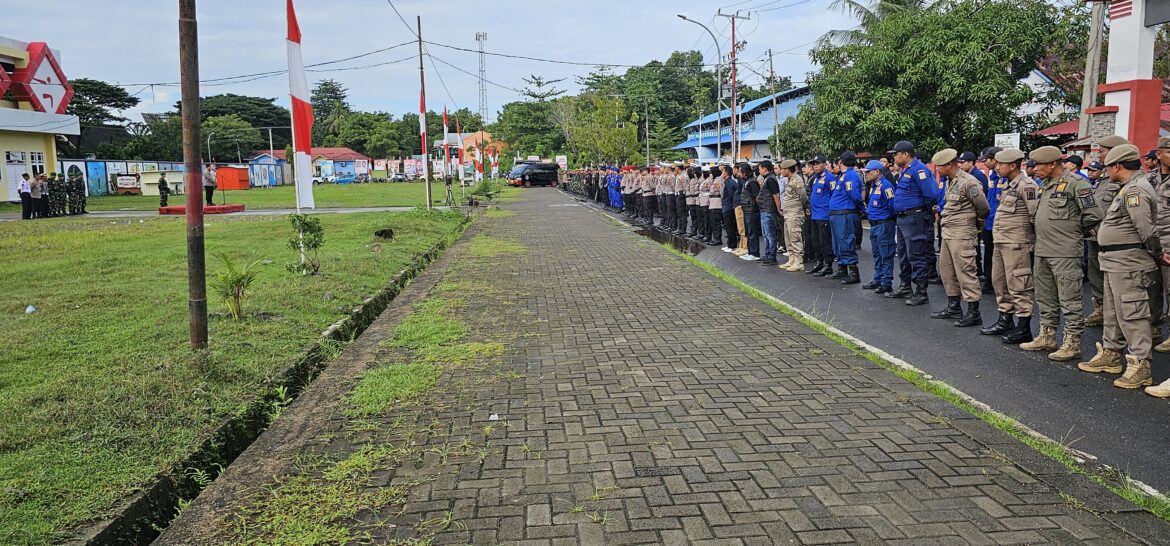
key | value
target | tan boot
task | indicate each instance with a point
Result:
(1163, 347)
(1105, 361)
(1097, 317)
(1137, 374)
(1070, 349)
(740, 252)
(796, 263)
(1044, 341)
(1160, 391)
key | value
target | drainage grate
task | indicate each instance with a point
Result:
(654, 471)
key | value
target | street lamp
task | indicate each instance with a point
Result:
(209, 146)
(718, 87)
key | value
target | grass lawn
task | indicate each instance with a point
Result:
(391, 194)
(98, 388)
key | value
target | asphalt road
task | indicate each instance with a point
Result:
(1127, 430)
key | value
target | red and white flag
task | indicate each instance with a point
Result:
(302, 115)
(422, 133)
(446, 145)
(459, 136)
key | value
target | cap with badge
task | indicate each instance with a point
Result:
(1112, 141)
(989, 152)
(847, 155)
(1046, 154)
(968, 157)
(1031, 164)
(1010, 155)
(945, 156)
(874, 165)
(818, 159)
(1122, 153)
(1152, 154)
(1076, 160)
(1096, 166)
(903, 146)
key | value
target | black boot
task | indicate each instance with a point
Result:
(820, 267)
(902, 291)
(828, 270)
(919, 297)
(952, 310)
(1001, 326)
(971, 317)
(987, 288)
(842, 272)
(853, 277)
(1022, 333)
(871, 285)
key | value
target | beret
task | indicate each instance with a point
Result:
(1122, 153)
(788, 164)
(1010, 155)
(1112, 141)
(1046, 154)
(945, 156)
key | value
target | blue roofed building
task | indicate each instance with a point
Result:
(757, 124)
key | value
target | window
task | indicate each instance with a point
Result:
(14, 158)
(37, 162)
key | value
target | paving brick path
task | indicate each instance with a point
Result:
(659, 405)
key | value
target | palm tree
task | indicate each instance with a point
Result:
(868, 13)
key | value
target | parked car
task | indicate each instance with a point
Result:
(536, 174)
(345, 179)
(398, 177)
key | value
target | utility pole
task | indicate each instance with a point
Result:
(734, 85)
(422, 116)
(481, 38)
(193, 175)
(1092, 67)
(775, 114)
(647, 103)
(718, 90)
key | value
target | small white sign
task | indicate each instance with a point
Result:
(563, 161)
(1007, 140)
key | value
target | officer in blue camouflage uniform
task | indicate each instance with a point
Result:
(845, 205)
(914, 199)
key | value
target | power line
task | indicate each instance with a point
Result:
(539, 59)
(501, 86)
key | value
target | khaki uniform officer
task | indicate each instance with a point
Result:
(649, 198)
(963, 211)
(1067, 212)
(793, 203)
(1130, 255)
(1011, 267)
(1160, 179)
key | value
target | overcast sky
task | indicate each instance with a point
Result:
(136, 41)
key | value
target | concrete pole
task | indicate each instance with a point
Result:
(1092, 67)
(193, 175)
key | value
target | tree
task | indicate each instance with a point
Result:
(867, 15)
(600, 131)
(528, 128)
(943, 77)
(330, 102)
(161, 140)
(536, 89)
(257, 111)
(97, 103)
(231, 137)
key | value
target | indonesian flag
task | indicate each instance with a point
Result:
(302, 114)
(478, 161)
(459, 136)
(422, 132)
(446, 145)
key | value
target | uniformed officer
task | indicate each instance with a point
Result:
(732, 186)
(665, 191)
(1066, 212)
(845, 205)
(164, 190)
(794, 205)
(967, 164)
(1104, 191)
(821, 239)
(1015, 236)
(649, 198)
(964, 208)
(994, 189)
(914, 198)
(879, 211)
(715, 205)
(704, 204)
(1131, 252)
(1159, 179)
(680, 199)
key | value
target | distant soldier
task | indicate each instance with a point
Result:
(164, 190)
(680, 199)
(704, 202)
(963, 209)
(57, 195)
(1015, 236)
(692, 201)
(649, 198)
(1066, 212)
(1131, 252)
(715, 205)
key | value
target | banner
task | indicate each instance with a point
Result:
(302, 115)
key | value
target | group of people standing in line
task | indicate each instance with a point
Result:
(1032, 225)
(49, 196)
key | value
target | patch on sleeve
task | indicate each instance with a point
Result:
(1061, 187)
(1084, 191)
(922, 175)
(974, 192)
(1087, 201)
(1133, 199)
(1030, 194)
(889, 193)
(848, 186)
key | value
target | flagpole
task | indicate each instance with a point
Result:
(422, 115)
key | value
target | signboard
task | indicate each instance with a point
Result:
(380, 165)
(534, 158)
(41, 82)
(1157, 12)
(128, 183)
(1007, 140)
(563, 161)
(361, 166)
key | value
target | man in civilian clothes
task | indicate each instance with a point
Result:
(732, 186)
(880, 212)
(751, 214)
(769, 203)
